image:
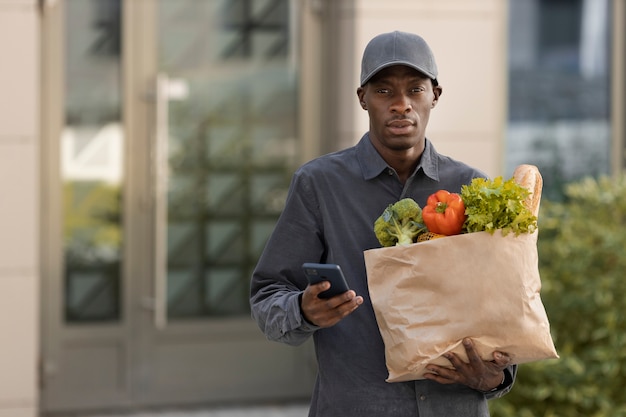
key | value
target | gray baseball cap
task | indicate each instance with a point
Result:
(397, 48)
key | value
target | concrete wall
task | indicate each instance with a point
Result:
(468, 38)
(19, 136)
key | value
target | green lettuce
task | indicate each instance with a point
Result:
(497, 204)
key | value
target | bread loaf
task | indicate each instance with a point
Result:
(529, 177)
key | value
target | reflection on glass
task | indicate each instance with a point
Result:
(91, 161)
(559, 89)
(232, 145)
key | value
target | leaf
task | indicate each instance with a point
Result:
(497, 204)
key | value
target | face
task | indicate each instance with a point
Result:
(398, 100)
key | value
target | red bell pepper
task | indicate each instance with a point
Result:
(444, 213)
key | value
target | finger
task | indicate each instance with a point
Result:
(501, 359)
(438, 378)
(348, 306)
(346, 297)
(454, 359)
(441, 371)
(472, 354)
(319, 288)
(440, 374)
(328, 312)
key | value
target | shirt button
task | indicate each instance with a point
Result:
(390, 171)
(422, 397)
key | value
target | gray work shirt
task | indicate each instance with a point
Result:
(329, 215)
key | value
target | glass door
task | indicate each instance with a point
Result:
(169, 160)
(225, 146)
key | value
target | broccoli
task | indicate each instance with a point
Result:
(400, 223)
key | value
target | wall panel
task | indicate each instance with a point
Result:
(469, 41)
(19, 135)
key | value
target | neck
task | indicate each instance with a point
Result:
(404, 166)
(403, 161)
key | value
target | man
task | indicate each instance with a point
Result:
(328, 218)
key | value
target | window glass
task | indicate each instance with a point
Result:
(559, 89)
(231, 144)
(91, 160)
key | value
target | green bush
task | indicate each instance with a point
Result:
(582, 260)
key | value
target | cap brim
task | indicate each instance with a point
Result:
(393, 63)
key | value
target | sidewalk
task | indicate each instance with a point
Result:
(288, 410)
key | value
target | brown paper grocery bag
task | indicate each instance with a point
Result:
(430, 295)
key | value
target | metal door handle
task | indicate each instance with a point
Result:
(161, 166)
(167, 89)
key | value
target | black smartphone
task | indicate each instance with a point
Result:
(326, 272)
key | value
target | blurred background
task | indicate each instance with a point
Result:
(146, 147)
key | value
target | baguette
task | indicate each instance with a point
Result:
(529, 177)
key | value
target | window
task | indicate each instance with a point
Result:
(559, 89)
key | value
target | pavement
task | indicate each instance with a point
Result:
(278, 410)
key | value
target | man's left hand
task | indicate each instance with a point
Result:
(477, 374)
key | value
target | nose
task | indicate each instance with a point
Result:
(401, 104)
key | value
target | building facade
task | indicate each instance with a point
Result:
(146, 149)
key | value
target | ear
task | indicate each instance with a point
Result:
(360, 92)
(437, 91)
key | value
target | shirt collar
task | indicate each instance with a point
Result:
(372, 164)
(429, 161)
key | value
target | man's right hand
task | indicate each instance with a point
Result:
(326, 312)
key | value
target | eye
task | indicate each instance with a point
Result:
(383, 90)
(416, 90)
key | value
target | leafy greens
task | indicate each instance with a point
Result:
(497, 204)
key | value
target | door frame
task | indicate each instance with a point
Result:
(132, 338)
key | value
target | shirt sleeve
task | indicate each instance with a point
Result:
(278, 279)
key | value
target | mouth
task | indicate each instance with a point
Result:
(400, 123)
(400, 126)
